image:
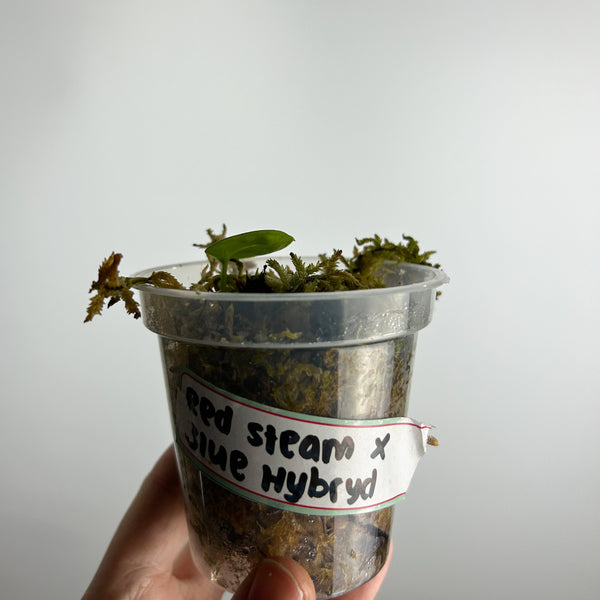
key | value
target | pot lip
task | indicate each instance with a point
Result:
(435, 278)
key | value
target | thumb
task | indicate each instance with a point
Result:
(277, 579)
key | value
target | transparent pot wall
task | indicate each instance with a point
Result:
(341, 355)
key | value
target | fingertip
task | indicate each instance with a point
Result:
(299, 574)
(164, 476)
(277, 579)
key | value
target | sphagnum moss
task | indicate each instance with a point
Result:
(335, 272)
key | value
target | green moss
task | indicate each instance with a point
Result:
(331, 272)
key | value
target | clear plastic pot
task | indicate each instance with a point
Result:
(337, 356)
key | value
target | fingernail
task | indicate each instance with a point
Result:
(273, 581)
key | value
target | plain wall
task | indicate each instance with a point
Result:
(473, 126)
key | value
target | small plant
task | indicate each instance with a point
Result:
(246, 245)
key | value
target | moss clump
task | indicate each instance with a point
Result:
(365, 269)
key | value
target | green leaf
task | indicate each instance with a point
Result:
(249, 245)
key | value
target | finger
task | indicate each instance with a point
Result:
(277, 579)
(184, 567)
(154, 527)
(369, 590)
(189, 582)
(153, 530)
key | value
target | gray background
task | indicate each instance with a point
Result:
(474, 126)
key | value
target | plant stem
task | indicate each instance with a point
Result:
(223, 276)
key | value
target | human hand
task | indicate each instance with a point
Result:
(149, 556)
